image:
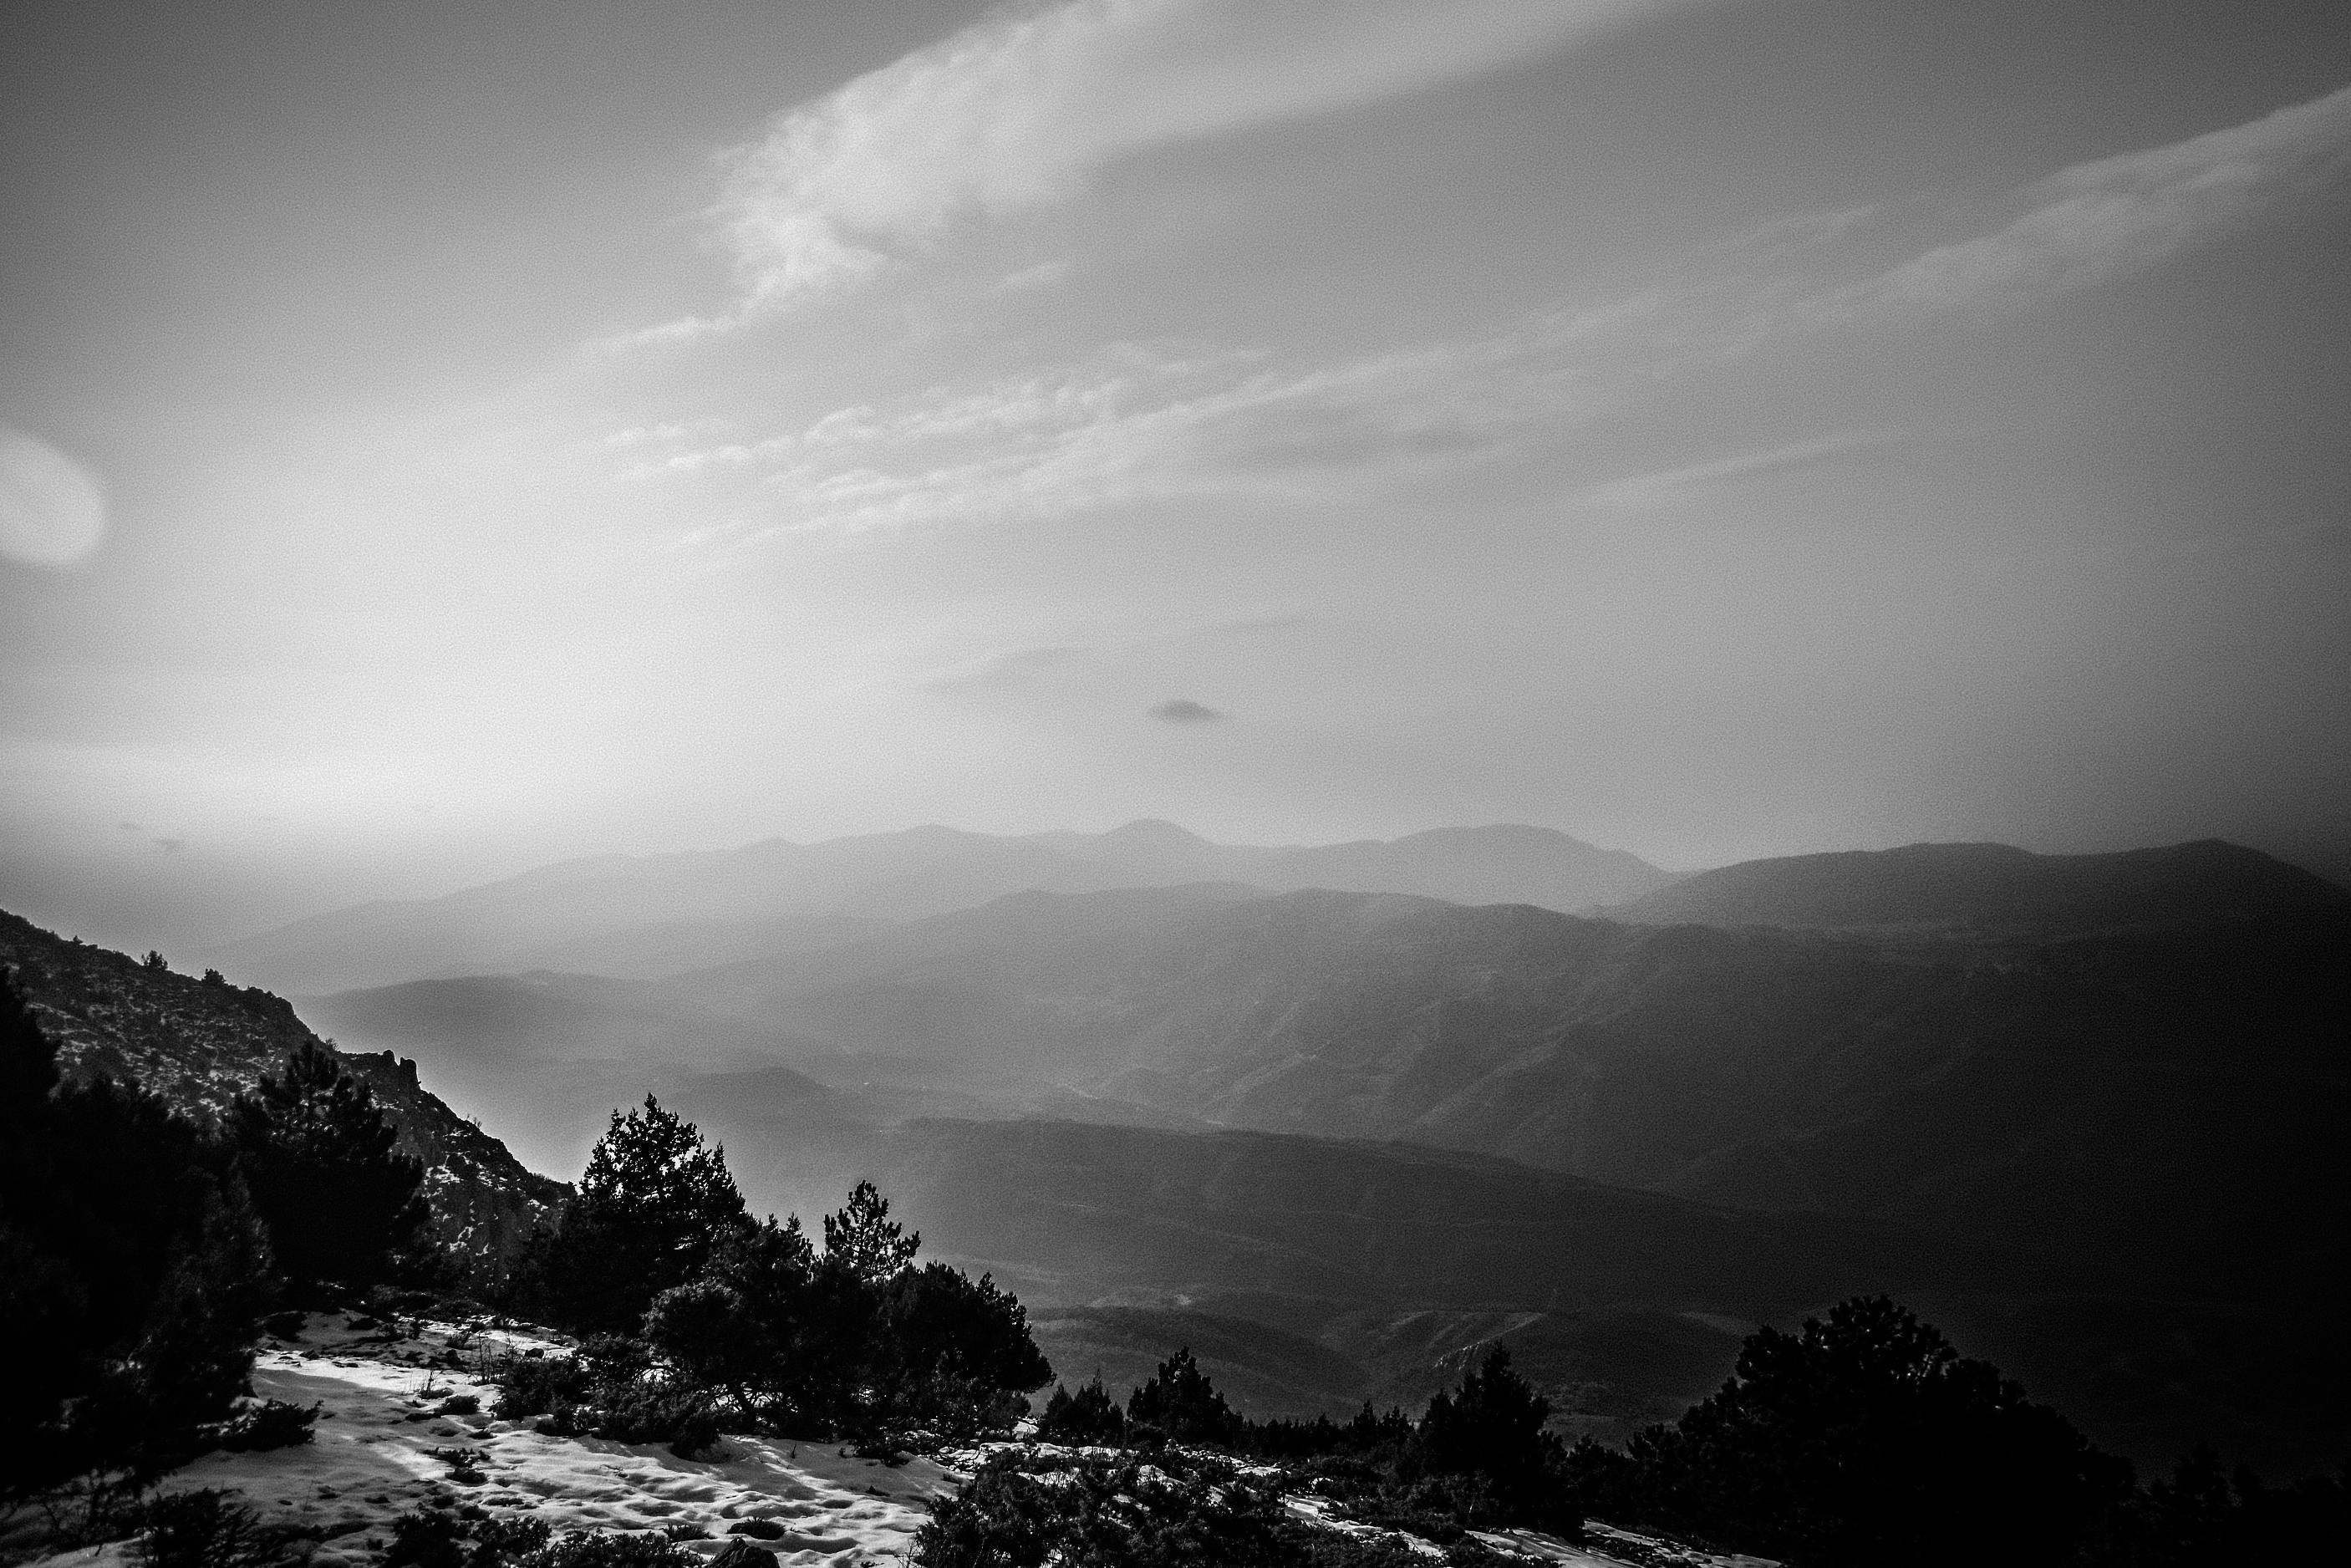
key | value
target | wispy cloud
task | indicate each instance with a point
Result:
(1143, 423)
(1640, 491)
(2095, 222)
(1020, 111)
(1006, 671)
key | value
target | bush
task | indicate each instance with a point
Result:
(1108, 1512)
(1088, 1416)
(1863, 1439)
(605, 1549)
(443, 1539)
(273, 1423)
(667, 1413)
(538, 1385)
(609, 1390)
(1179, 1404)
(206, 1530)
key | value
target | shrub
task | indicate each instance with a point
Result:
(273, 1423)
(606, 1549)
(677, 1415)
(445, 1539)
(206, 1530)
(1088, 1416)
(538, 1385)
(1864, 1440)
(1106, 1510)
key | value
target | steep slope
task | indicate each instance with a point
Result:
(631, 918)
(1992, 888)
(198, 1043)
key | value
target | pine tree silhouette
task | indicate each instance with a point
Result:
(863, 1237)
(1181, 1406)
(322, 1161)
(654, 1206)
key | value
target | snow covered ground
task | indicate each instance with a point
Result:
(372, 1458)
(385, 1442)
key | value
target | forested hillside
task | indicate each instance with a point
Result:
(200, 1042)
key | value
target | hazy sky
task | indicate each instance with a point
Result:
(439, 439)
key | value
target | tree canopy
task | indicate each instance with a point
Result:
(655, 1205)
(342, 1203)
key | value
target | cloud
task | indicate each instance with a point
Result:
(52, 508)
(2102, 220)
(1044, 275)
(1152, 423)
(1020, 111)
(1658, 488)
(1003, 671)
(1184, 710)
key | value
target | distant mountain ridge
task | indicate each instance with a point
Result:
(1992, 888)
(199, 1044)
(640, 917)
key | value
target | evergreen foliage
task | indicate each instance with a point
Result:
(1491, 1429)
(721, 1313)
(1088, 1417)
(131, 1258)
(949, 1353)
(2201, 1516)
(1861, 1439)
(655, 1205)
(343, 1204)
(864, 1239)
(1179, 1404)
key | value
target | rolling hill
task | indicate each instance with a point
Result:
(1992, 888)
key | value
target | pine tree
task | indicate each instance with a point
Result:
(1490, 1427)
(863, 1237)
(341, 1202)
(655, 1204)
(1180, 1405)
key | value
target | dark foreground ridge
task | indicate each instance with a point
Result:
(198, 1043)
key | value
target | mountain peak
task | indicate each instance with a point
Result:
(1155, 830)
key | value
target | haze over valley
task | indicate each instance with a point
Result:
(2009, 1080)
(1545, 725)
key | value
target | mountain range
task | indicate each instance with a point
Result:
(2084, 1108)
(640, 917)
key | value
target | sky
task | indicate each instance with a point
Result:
(438, 440)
